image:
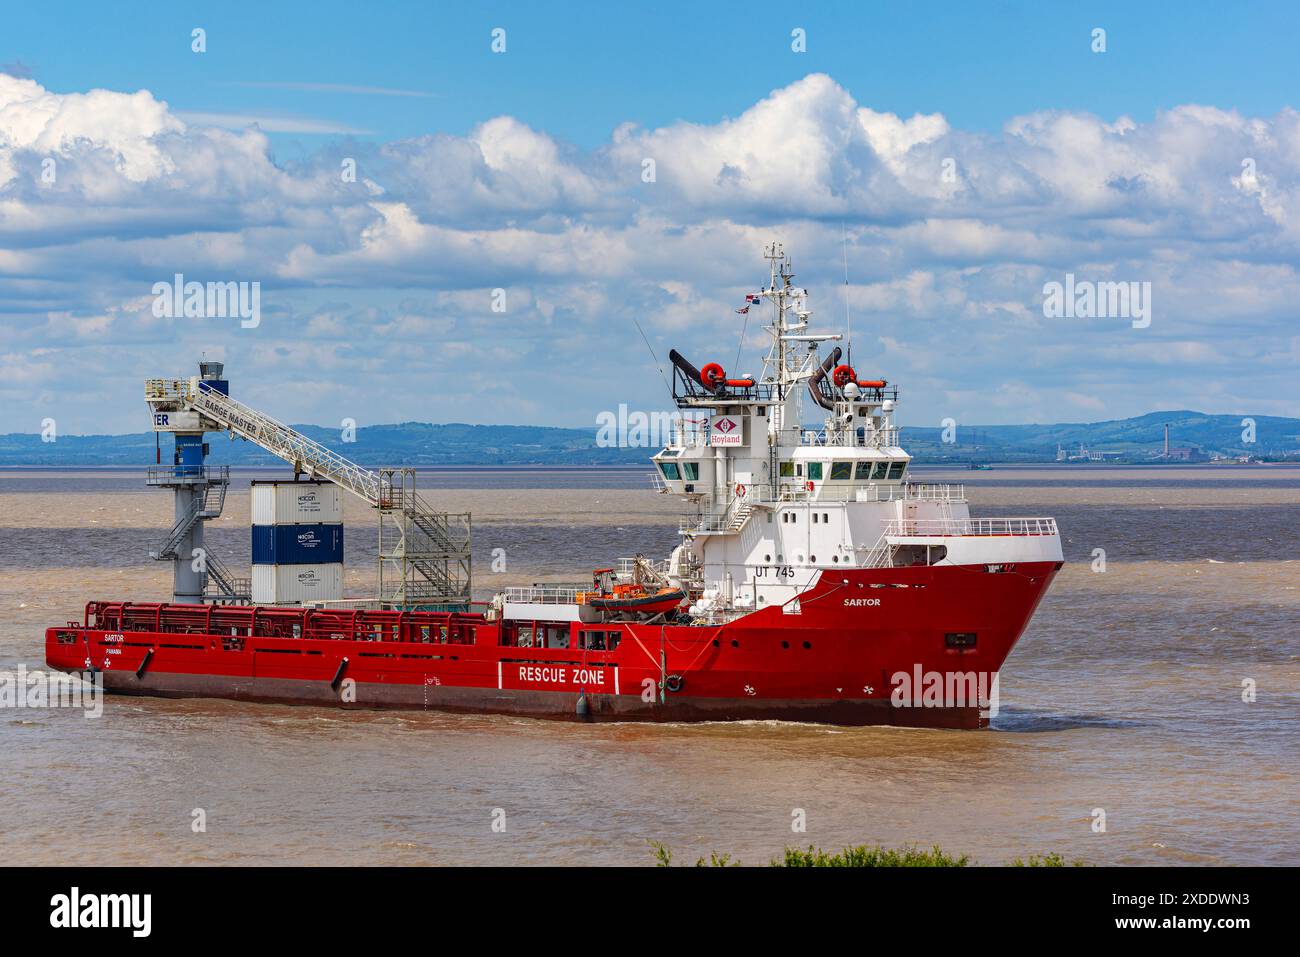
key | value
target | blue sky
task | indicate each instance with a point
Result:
(521, 171)
(578, 70)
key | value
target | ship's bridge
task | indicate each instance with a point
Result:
(830, 471)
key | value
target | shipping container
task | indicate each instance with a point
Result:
(296, 503)
(297, 544)
(295, 584)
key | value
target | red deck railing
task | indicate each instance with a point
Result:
(256, 621)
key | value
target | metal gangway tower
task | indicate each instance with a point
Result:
(424, 554)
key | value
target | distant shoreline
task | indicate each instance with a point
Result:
(647, 467)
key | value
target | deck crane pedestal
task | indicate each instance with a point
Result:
(424, 555)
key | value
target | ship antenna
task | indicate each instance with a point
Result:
(654, 357)
(741, 344)
(848, 320)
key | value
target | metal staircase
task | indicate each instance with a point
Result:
(424, 554)
(222, 586)
(307, 456)
(740, 515)
(207, 503)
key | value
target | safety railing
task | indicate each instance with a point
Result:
(910, 492)
(720, 520)
(167, 390)
(544, 594)
(626, 567)
(857, 437)
(187, 474)
(950, 527)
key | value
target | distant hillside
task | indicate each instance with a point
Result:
(1133, 440)
(408, 443)
(419, 443)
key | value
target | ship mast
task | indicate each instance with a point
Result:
(785, 366)
(777, 367)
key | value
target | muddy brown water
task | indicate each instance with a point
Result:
(1124, 695)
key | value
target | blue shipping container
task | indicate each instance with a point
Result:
(297, 544)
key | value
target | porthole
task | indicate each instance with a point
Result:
(767, 559)
(785, 644)
(812, 559)
(835, 559)
(735, 643)
(807, 645)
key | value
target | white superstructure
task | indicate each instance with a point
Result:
(774, 504)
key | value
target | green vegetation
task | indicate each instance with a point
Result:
(664, 857)
(863, 855)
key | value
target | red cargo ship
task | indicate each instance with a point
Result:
(814, 581)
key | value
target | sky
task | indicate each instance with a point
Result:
(503, 237)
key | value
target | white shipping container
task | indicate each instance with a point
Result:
(295, 584)
(296, 503)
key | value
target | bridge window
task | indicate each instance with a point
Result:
(841, 471)
(691, 470)
(864, 471)
(787, 470)
(815, 471)
(670, 470)
(896, 470)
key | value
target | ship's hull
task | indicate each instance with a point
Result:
(863, 649)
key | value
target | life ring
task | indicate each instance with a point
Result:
(843, 375)
(674, 683)
(740, 490)
(712, 375)
(809, 486)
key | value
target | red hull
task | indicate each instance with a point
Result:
(833, 662)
